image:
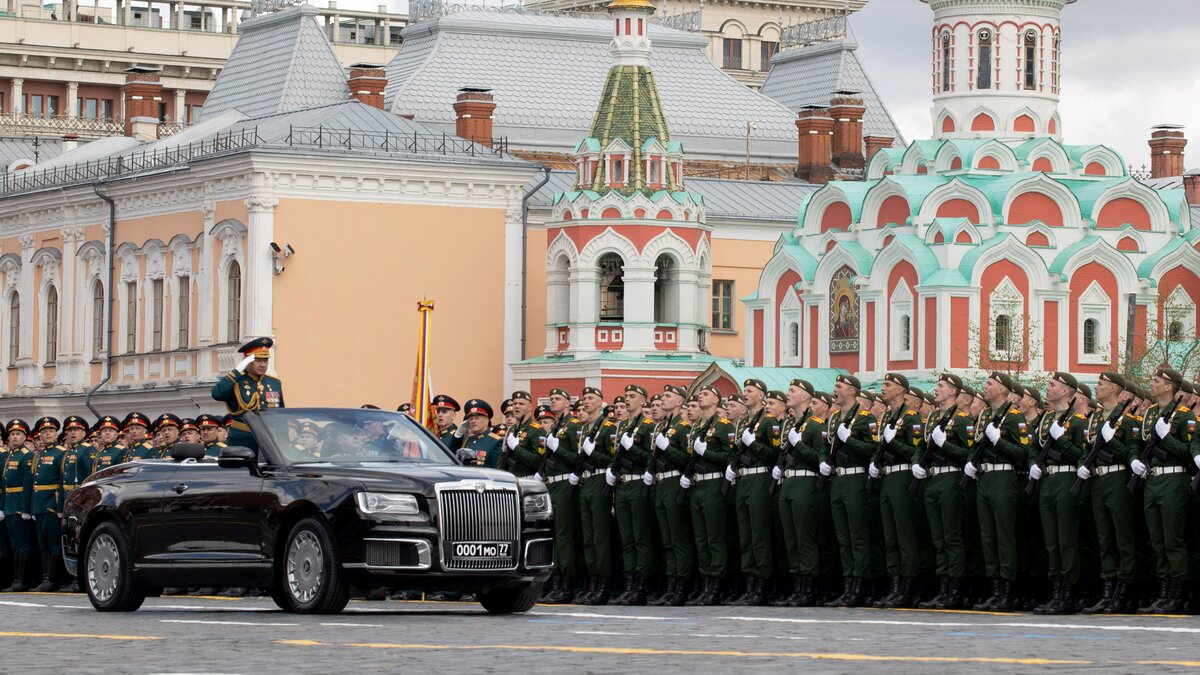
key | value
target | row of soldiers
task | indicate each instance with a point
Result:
(40, 465)
(999, 499)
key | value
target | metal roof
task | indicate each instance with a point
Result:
(812, 75)
(30, 148)
(547, 72)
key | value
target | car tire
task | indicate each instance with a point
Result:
(280, 597)
(510, 600)
(107, 573)
(310, 578)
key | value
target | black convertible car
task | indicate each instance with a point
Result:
(375, 501)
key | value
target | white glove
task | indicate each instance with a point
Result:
(648, 478)
(1162, 428)
(610, 477)
(1057, 430)
(794, 437)
(539, 478)
(747, 437)
(589, 445)
(843, 432)
(777, 473)
(1083, 473)
(573, 479)
(825, 469)
(685, 482)
(939, 436)
(730, 474)
(552, 443)
(627, 441)
(661, 441)
(1196, 459)
(872, 470)
(700, 447)
(26, 516)
(1, 516)
(460, 431)
(970, 470)
(919, 473)
(1138, 467)
(241, 367)
(889, 433)
(1108, 431)
(993, 433)
(1035, 472)
(511, 441)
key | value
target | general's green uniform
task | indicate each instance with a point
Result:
(634, 510)
(72, 466)
(595, 508)
(46, 467)
(107, 456)
(17, 478)
(709, 508)
(1113, 505)
(1058, 508)
(559, 465)
(487, 447)
(674, 519)
(214, 449)
(848, 491)
(943, 497)
(799, 501)
(526, 457)
(753, 503)
(242, 393)
(998, 495)
(1168, 491)
(447, 436)
(896, 506)
(143, 450)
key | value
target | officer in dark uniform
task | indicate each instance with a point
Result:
(711, 440)
(634, 511)
(844, 462)
(759, 438)
(308, 439)
(137, 445)
(444, 410)
(75, 456)
(210, 434)
(108, 451)
(891, 468)
(667, 461)
(596, 446)
(474, 440)
(800, 505)
(46, 467)
(248, 388)
(524, 445)
(16, 477)
(544, 416)
(188, 431)
(166, 433)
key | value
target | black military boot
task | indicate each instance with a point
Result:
(1106, 599)
(840, 601)
(661, 599)
(18, 581)
(756, 595)
(47, 585)
(940, 598)
(1152, 607)
(986, 605)
(637, 597)
(551, 587)
(679, 596)
(1120, 599)
(893, 589)
(1053, 604)
(953, 597)
(623, 598)
(903, 597)
(1172, 602)
(601, 596)
(790, 599)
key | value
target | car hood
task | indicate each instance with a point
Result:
(404, 476)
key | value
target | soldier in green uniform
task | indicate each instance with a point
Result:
(900, 436)
(1065, 430)
(444, 410)
(845, 460)
(711, 440)
(16, 477)
(248, 388)
(947, 446)
(108, 451)
(45, 505)
(759, 437)
(189, 432)
(556, 468)
(137, 444)
(474, 439)
(1167, 490)
(635, 515)
(76, 454)
(210, 432)
(595, 506)
(524, 444)
(166, 433)
(799, 500)
(668, 460)
(1002, 444)
(1111, 432)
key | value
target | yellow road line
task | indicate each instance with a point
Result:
(1189, 664)
(688, 652)
(86, 636)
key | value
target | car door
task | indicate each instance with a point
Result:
(140, 488)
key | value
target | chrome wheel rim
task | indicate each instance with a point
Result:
(104, 567)
(305, 567)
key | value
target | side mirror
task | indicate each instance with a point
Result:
(236, 456)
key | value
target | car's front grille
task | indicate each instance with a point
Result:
(483, 517)
(393, 554)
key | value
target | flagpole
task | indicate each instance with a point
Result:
(422, 399)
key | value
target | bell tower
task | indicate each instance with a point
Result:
(997, 68)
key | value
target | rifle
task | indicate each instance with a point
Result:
(914, 486)
(1040, 461)
(506, 456)
(584, 464)
(835, 445)
(1151, 445)
(786, 459)
(690, 469)
(619, 455)
(547, 459)
(1094, 455)
(741, 450)
(655, 456)
(881, 454)
(977, 458)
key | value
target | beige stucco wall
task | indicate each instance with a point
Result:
(741, 261)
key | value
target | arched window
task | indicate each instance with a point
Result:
(905, 333)
(1175, 332)
(14, 328)
(157, 312)
(946, 62)
(1002, 334)
(1029, 61)
(793, 339)
(234, 281)
(131, 305)
(666, 290)
(984, 79)
(98, 316)
(612, 288)
(184, 311)
(1090, 328)
(51, 325)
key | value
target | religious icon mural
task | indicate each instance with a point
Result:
(843, 313)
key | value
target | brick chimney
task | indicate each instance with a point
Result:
(367, 82)
(847, 110)
(473, 115)
(143, 94)
(816, 145)
(877, 143)
(1191, 186)
(1167, 143)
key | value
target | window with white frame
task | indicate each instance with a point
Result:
(156, 330)
(51, 325)
(98, 314)
(14, 328)
(1179, 316)
(789, 333)
(183, 312)
(900, 306)
(1005, 322)
(233, 299)
(1095, 318)
(131, 304)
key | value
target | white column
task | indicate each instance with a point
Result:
(27, 368)
(639, 309)
(585, 310)
(514, 290)
(205, 282)
(688, 321)
(558, 298)
(260, 268)
(18, 101)
(68, 301)
(72, 99)
(180, 105)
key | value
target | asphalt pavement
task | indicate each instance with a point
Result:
(62, 633)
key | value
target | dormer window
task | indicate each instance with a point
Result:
(618, 171)
(655, 173)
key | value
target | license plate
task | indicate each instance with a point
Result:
(481, 550)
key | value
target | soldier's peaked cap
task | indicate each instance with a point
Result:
(259, 348)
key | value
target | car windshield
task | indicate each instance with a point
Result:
(350, 436)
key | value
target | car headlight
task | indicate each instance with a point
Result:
(383, 502)
(537, 506)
